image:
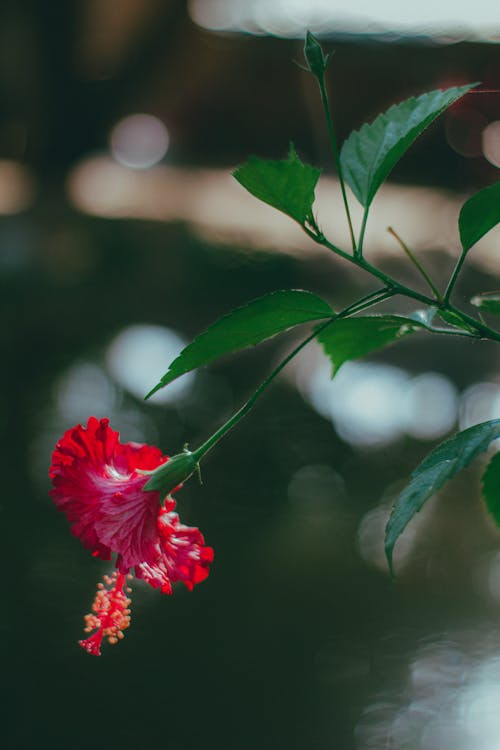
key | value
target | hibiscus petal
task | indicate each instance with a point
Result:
(183, 555)
(98, 485)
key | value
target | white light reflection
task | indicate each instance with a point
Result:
(139, 141)
(292, 17)
(364, 405)
(430, 406)
(362, 400)
(479, 402)
(372, 404)
(479, 707)
(138, 357)
(449, 699)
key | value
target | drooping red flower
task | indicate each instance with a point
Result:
(99, 485)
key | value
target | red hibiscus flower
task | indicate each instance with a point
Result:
(99, 485)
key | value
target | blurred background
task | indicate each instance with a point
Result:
(123, 235)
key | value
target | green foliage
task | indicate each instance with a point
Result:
(245, 326)
(488, 301)
(369, 154)
(478, 215)
(351, 338)
(366, 160)
(443, 463)
(491, 487)
(287, 185)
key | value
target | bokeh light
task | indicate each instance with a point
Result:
(84, 389)
(292, 17)
(450, 698)
(139, 141)
(140, 354)
(17, 187)
(464, 127)
(373, 404)
(478, 403)
(491, 143)
(430, 406)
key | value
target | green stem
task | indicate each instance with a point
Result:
(362, 304)
(454, 277)
(213, 439)
(333, 142)
(373, 298)
(416, 263)
(482, 330)
(362, 263)
(361, 239)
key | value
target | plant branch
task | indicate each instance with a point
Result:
(333, 142)
(454, 276)
(362, 231)
(482, 330)
(362, 304)
(416, 263)
(366, 266)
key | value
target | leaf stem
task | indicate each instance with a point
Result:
(416, 263)
(482, 330)
(370, 299)
(361, 262)
(454, 276)
(333, 143)
(359, 251)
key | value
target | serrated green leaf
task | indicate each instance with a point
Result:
(287, 185)
(489, 301)
(478, 215)
(491, 487)
(369, 154)
(352, 338)
(258, 320)
(443, 463)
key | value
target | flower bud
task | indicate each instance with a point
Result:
(315, 58)
(172, 473)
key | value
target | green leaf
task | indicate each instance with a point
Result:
(489, 301)
(369, 154)
(245, 326)
(478, 215)
(353, 338)
(443, 463)
(491, 487)
(288, 185)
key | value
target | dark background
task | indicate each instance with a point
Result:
(294, 640)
